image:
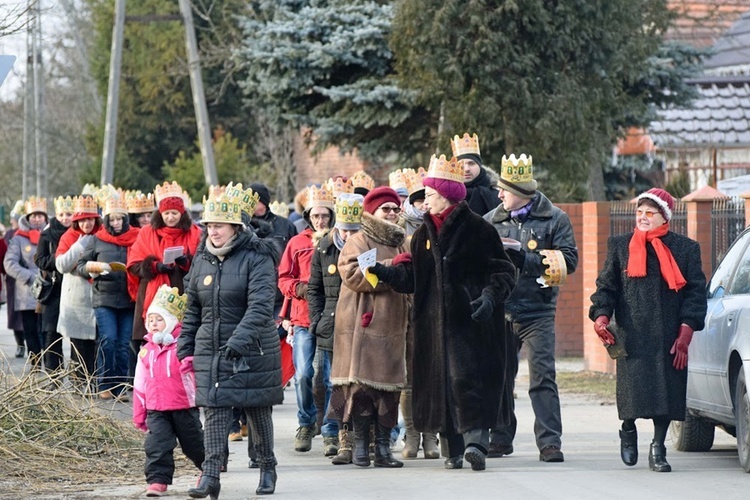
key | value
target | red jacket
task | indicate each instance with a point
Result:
(295, 268)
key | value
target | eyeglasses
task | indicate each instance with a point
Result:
(648, 213)
(387, 210)
(320, 216)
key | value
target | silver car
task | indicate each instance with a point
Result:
(719, 360)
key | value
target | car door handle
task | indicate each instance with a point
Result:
(730, 318)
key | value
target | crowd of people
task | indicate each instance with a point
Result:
(402, 305)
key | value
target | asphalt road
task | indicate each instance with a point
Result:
(592, 467)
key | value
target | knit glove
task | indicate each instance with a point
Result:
(600, 327)
(162, 268)
(482, 308)
(300, 290)
(402, 258)
(680, 347)
(386, 274)
(183, 261)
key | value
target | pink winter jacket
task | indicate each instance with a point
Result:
(158, 383)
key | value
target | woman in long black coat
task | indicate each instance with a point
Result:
(653, 285)
(460, 276)
(230, 335)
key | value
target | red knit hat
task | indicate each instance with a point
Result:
(380, 196)
(172, 203)
(663, 200)
(451, 190)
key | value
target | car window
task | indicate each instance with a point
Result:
(723, 274)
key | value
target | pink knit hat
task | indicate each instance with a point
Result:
(451, 190)
(663, 200)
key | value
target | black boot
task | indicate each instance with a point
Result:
(383, 456)
(361, 456)
(657, 458)
(629, 446)
(267, 484)
(207, 486)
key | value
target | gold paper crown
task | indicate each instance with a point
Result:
(517, 170)
(85, 204)
(223, 209)
(18, 208)
(556, 271)
(171, 190)
(171, 301)
(90, 189)
(36, 204)
(466, 145)
(116, 203)
(104, 193)
(245, 197)
(340, 185)
(349, 208)
(319, 197)
(216, 190)
(398, 179)
(279, 208)
(414, 180)
(362, 180)
(139, 203)
(442, 168)
(64, 205)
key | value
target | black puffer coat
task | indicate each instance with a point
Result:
(230, 302)
(323, 291)
(45, 260)
(648, 316)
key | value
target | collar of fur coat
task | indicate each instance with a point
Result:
(382, 231)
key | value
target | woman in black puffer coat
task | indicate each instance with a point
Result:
(230, 334)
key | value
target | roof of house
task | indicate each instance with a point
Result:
(732, 51)
(701, 23)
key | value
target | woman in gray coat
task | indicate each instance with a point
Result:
(230, 336)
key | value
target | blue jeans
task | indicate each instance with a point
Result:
(115, 328)
(330, 426)
(303, 352)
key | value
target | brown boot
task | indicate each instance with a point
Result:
(411, 438)
(344, 456)
(430, 445)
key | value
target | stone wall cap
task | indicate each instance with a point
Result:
(706, 193)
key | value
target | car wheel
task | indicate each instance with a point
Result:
(742, 419)
(694, 434)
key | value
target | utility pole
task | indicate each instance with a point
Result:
(199, 96)
(113, 95)
(28, 107)
(40, 146)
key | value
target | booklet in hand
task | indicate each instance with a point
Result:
(171, 253)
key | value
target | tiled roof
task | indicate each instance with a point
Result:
(733, 48)
(720, 116)
(701, 22)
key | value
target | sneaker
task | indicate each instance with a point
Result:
(331, 445)
(303, 439)
(551, 454)
(156, 490)
(235, 436)
(498, 450)
(106, 395)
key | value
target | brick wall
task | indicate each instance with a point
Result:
(317, 169)
(568, 327)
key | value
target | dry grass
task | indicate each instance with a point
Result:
(599, 386)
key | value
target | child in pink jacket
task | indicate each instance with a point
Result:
(164, 390)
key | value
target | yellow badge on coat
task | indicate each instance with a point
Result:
(27, 249)
(143, 352)
(532, 244)
(207, 280)
(332, 269)
(427, 244)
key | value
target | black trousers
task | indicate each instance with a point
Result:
(53, 351)
(217, 423)
(165, 429)
(83, 353)
(32, 331)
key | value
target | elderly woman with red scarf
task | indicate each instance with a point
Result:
(653, 286)
(171, 226)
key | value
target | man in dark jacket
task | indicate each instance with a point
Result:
(481, 194)
(322, 296)
(527, 216)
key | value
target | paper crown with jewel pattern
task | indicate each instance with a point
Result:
(170, 300)
(104, 193)
(140, 203)
(245, 197)
(362, 180)
(90, 189)
(116, 203)
(466, 145)
(64, 204)
(222, 209)
(349, 208)
(35, 204)
(319, 197)
(18, 209)
(442, 168)
(171, 190)
(398, 179)
(517, 175)
(86, 204)
(414, 180)
(340, 184)
(279, 208)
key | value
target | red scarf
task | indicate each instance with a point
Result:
(67, 239)
(152, 243)
(439, 219)
(125, 239)
(637, 259)
(31, 234)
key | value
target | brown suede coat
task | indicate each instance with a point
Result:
(372, 355)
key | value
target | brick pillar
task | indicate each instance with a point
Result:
(593, 252)
(746, 197)
(568, 327)
(700, 229)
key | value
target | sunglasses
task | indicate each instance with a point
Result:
(648, 213)
(387, 210)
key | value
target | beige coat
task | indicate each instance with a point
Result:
(372, 355)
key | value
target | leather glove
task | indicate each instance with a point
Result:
(183, 261)
(680, 347)
(482, 308)
(94, 267)
(600, 327)
(518, 257)
(231, 354)
(163, 268)
(385, 274)
(301, 290)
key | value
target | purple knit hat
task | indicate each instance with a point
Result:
(451, 190)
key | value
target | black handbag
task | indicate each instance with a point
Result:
(42, 287)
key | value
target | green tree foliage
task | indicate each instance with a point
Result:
(156, 115)
(233, 164)
(558, 80)
(326, 65)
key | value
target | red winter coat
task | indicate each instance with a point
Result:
(294, 269)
